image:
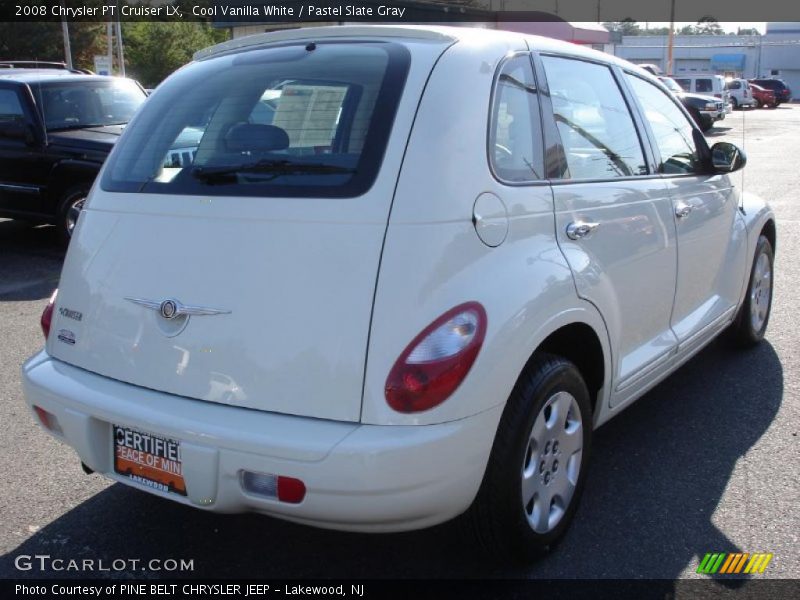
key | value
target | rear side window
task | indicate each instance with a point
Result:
(597, 131)
(10, 107)
(703, 85)
(294, 120)
(515, 134)
(671, 129)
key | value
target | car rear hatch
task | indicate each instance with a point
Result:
(244, 273)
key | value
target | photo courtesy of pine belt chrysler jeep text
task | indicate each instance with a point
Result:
(375, 278)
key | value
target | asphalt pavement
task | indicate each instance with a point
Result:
(709, 461)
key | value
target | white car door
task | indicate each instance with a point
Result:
(613, 220)
(711, 236)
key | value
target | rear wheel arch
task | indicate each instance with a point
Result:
(66, 176)
(769, 232)
(580, 344)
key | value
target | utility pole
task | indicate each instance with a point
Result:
(110, 36)
(120, 51)
(65, 33)
(671, 37)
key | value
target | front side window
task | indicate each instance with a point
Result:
(671, 128)
(515, 140)
(79, 104)
(597, 131)
(294, 120)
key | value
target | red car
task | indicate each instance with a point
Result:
(763, 96)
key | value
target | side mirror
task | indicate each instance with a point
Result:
(17, 130)
(727, 158)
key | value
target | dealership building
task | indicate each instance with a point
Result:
(774, 54)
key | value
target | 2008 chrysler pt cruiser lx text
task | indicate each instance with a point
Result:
(374, 278)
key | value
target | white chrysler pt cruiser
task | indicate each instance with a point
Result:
(374, 278)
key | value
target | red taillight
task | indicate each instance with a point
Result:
(291, 490)
(435, 363)
(47, 315)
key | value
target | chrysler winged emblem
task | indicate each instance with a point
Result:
(172, 309)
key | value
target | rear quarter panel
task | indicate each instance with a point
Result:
(434, 260)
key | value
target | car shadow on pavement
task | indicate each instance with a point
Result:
(659, 472)
(32, 259)
(717, 131)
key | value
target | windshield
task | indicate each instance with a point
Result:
(672, 85)
(294, 120)
(77, 104)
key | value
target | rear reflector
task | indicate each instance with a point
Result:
(273, 487)
(48, 420)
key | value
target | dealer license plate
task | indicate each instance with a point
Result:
(149, 459)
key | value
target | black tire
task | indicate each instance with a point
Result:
(65, 218)
(497, 517)
(744, 332)
(704, 123)
(759, 103)
(734, 103)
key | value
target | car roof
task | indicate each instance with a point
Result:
(434, 33)
(47, 75)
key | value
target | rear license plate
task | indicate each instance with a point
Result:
(149, 459)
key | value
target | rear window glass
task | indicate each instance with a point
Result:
(295, 120)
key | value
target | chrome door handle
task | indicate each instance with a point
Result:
(683, 210)
(580, 229)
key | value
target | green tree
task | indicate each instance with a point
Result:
(656, 31)
(155, 49)
(708, 25)
(625, 27)
(44, 41)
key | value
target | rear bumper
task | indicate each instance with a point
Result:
(358, 477)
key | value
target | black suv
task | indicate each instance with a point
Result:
(782, 91)
(57, 126)
(705, 110)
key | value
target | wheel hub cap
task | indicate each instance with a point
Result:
(552, 462)
(760, 292)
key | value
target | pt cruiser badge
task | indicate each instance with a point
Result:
(171, 309)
